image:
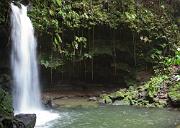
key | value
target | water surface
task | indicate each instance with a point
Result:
(116, 117)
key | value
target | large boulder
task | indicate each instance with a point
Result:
(19, 121)
(6, 122)
(29, 120)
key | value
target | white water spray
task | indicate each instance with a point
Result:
(26, 92)
(24, 62)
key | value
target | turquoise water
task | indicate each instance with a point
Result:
(116, 117)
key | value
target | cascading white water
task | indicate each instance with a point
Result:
(24, 63)
(26, 92)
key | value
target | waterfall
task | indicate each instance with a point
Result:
(26, 92)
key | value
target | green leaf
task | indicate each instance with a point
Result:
(51, 12)
(58, 2)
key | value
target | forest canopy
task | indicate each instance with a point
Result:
(149, 31)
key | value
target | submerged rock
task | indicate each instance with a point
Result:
(120, 102)
(178, 126)
(93, 99)
(47, 102)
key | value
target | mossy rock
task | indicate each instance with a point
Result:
(144, 95)
(6, 108)
(174, 94)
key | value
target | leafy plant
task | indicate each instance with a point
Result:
(144, 95)
(5, 103)
(50, 62)
(174, 92)
(153, 86)
(173, 60)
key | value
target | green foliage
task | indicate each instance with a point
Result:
(57, 43)
(156, 32)
(153, 86)
(174, 92)
(107, 99)
(144, 95)
(3, 12)
(5, 103)
(173, 60)
(153, 34)
(79, 42)
(50, 62)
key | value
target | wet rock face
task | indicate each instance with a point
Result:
(29, 120)
(5, 82)
(25, 2)
(19, 121)
(6, 123)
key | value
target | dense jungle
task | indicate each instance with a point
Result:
(110, 52)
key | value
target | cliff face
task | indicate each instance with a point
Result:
(4, 47)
